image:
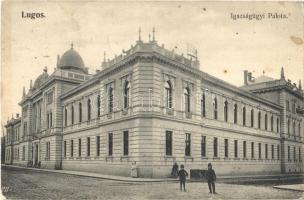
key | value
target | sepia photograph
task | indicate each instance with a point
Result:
(152, 99)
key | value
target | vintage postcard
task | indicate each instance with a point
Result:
(152, 100)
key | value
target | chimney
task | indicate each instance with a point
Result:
(250, 76)
(245, 77)
(282, 73)
(17, 115)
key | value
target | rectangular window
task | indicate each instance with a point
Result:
(278, 151)
(48, 151)
(23, 153)
(260, 150)
(110, 145)
(288, 153)
(252, 149)
(203, 146)
(126, 143)
(49, 97)
(97, 145)
(266, 151)
(168, 143)
(300, 158)
(294, 153)
(235, 148)
(79, 147)
(244, 149)
(272, 152)
(226, 148)
(215, 146)
(64, 149)
(188, 145)
(88, 146)
(72, 148)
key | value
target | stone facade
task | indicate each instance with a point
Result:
(155, 107)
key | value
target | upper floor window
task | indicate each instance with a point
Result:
(126, 94)
(235, 111)
(215, 108)
(294, 107)
(252, 118)
(65, 117)
(50, 97)
(203, 105)
(226, 111)
(98, 105)
(72, 114)
(278, 124)
(294, 127)
(244, 116)
(299, 129)
(89, 109)
(168, 88)
(187, 99)
(259, 119)
(288, 126)
(80, 111)
(287, 105)
(271, 123)
(110, 99)
(266, 121)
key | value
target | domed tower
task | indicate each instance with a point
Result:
(71, 60)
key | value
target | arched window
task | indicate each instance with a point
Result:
(215, 108)
(187, 99)
(203, 105)
(252, 117)
(110, 99)
(235, 111)
(80, 112)
(266, 121)
(126, 93)
(226, 111)
(271, 122)
(168, 88)
(89, 109)
(98, 105)
(72, 115)
(244, 116)
(259, 119)
(65, 117)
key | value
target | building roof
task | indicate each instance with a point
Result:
(41, 79)
(71, 59)
(263, 78)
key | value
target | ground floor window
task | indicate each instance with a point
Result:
(64, 149)
(260, 150)
(168, 143)
(215, 146)
(235, 148)
(23, 153)
(88, 146)
(244, 149)
(278, 151)
(126, 143)
(252, 149)
(110, 144)
(272, 152)
(226, 148)
(266, 151)
(72, 148)
(203, 146)
(79, 147)
(288, 153)
(98, 146)
(48, 151)
(188, 145)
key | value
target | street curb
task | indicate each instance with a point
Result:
(99, 176)
(290, 189)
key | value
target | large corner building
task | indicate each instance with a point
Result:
(155, 107)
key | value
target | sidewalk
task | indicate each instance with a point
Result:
(222, 179)
(295, 187)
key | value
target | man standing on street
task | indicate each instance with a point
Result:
(211, 177)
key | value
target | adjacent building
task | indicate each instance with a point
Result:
(155, 107)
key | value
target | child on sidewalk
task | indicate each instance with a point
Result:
(182, 173)
(211, 177)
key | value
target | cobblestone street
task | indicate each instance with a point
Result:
(28, 184)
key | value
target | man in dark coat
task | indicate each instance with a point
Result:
(182, 177)
(211, 178)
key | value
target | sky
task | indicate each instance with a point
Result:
(226, 47)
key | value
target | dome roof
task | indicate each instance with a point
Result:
(41, 79)
(71, 59)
